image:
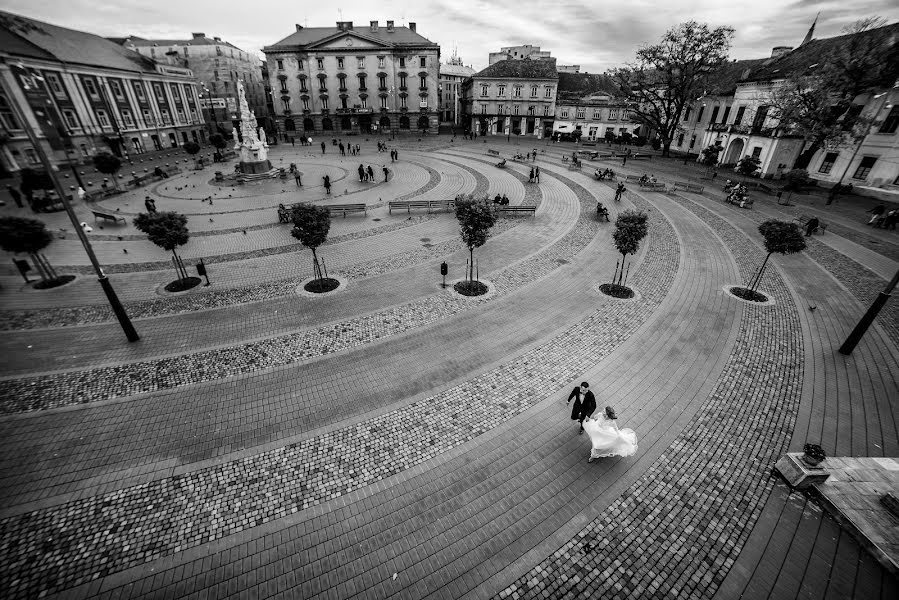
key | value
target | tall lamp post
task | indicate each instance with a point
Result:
(114, 302)
(868, 318)
(211, 98)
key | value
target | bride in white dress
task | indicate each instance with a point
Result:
(607, 439)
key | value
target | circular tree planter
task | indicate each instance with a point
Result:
(316, 288)
(471, 290)
(49, 284)
(748, 296)
(619, 292)
(182, 285)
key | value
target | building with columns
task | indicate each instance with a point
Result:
(218, 66)
(346, 80)
(83, 94)
(452, 75)
(512, 97)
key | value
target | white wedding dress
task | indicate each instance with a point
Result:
(608, 440)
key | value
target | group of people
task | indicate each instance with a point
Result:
(880, 217)
(501, 200)
(737, 194)
(606, 438)
(606, 173)
(354, 150)
(368, 174)
(647, 178)
(534, 176)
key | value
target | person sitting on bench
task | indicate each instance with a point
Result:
(504, 201)
(644, 178)
(160, 173)
(497, 199)
(599, 174)
(501, 163)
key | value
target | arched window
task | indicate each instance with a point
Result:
(423, 122)
(289, 125)
(327, 125)
(404, 122)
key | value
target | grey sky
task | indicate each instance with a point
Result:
(596, 34)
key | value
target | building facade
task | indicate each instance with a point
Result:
(529, 52)
(82, 94)
(512, 97)
(452, 75)
(217, 66)
(343, 80)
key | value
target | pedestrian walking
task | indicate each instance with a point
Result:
(297, 177)
(531, 176)
(371, 174)
(606, 439)
(327, 183)
(323, 147)
(876, 214)
(342, 149)
(619, 191)
(150, 204)
(534, 154)
(537, 174)
(584, 404)
(291, 141)
(361, 170)
(16, 196)
(624, 160)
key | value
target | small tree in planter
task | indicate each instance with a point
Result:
(168, 230)
(310, 226)
(747, 166)
(193, 149)
(609, 136)
(29, 236)
(33, 181)
(475, 220)
(656, 143)
(780, 237)
(709, 156)
(218, 141)
(108, 164)
(630, 229)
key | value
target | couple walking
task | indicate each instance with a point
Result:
(606, 439)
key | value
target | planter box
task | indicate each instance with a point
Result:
(799, 474)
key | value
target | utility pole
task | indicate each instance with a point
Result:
(868, 318)
(117, 307)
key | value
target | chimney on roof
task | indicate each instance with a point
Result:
(373, 25)
(412, 27)
(780, 51)
(198, 35)
(390, 26)
(218, 39)
(299, 27)
(345, 25)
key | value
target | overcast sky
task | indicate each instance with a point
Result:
(596, 34)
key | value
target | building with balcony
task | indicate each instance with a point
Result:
(512, 97)
(452, 75)
(588, 104)
(82, 93)
(347, 80)
(217, 66)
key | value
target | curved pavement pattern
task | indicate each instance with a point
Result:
(396, 440)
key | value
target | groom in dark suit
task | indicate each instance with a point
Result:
(584, 404)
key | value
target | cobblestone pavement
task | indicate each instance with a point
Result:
(468, 483)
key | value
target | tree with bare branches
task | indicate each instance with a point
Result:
(668, 76)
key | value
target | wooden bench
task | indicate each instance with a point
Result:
(588, 144)
(515, 210)
(687, 187)
(640, 157)
(653, 185)
(99, 214)
(429, 204)
(574, 166)
(631, 178)
(804, 219)
(343, 209)
(493, 152)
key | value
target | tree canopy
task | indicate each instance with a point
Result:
(167, 230)
(191, 147)
(107, 163)
(630, 229)
(218, 140)
(709, 156)
(19, 234)
(310, 224)
(669, 75)
(782, 237)
(475, 220)
(748, 165)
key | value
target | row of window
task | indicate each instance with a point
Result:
(360, 62)
(581, 113)
(516, 109)
(382, 83)
(115, 86)
(363, 103)
(861, 172)
(516, 91)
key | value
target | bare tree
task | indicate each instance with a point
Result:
(667, 76)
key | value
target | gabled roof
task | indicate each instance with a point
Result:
(314, 35)
(724, 81)
(815, 52)
(576, 85)
(197, 41)
(521, 69)
(22, 36)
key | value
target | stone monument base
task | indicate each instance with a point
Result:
(255, 167)
(799, 474)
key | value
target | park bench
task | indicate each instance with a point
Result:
(99, 214)
(493, 152)
(640, 157)
(429, 204)
(588, 144)
(343, 209)
(575, 165)
(631, 178)
(514, 210)
(741, 203)
(687, 187)
(652, 185)
(804, 219)
(591, 154)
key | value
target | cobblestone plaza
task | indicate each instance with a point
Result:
(393, 439)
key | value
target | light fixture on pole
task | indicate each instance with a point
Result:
(114, 302)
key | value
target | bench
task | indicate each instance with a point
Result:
(99, 214)
(804, 219)
(574, 166)
(631, 178)
(493, 152)
(640, 157)
(747, 203)
(346, 208)
(588, 143)
(591, 154)
(514, 210)
(429, 204)
(687, 187)
(652, 185)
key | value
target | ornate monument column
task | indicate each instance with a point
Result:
(253, 151)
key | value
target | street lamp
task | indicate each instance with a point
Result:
(211, 98)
